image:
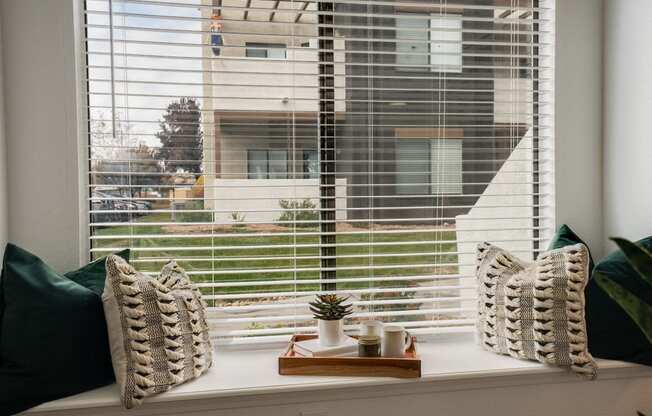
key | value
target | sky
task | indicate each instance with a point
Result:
(142, 123)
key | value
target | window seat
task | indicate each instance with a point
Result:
(244, 376)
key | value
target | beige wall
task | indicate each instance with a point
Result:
(3, 159)
(258, 199)
(627, 113)
(261, 84)
(578, 124)
(41, 107)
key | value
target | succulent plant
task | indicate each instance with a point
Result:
(641, 260)
(330, 307)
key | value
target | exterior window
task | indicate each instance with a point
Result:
(277, 164)
(413, 167)
(429, 166)
(310, 164)
(266, 50)
(434, 41)
(267, 164)
(257, 164)
(412, 45)
(446, 166)
(446, 43)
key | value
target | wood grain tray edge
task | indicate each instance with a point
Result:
(290, 364)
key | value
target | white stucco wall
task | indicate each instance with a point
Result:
(272, 84)
(258, 199)
(627, 114)
(501, 216)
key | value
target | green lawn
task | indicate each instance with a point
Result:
(262, 259)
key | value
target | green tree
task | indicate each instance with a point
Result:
(147, 169)
(138, 167)
(181, 137)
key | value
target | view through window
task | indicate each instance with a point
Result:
(367, 153)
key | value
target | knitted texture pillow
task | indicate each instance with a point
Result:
(535, 310)
(157, 329)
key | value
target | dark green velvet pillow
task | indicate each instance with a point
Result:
(93, 275)
(567, 237)
(612, 333)
(53, 337)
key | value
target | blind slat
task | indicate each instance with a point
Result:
(416, 327)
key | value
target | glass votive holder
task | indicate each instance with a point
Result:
(369, 346)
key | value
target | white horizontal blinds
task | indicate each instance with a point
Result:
(280, 149)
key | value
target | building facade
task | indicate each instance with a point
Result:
(421, 99)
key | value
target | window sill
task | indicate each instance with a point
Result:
(453, 363)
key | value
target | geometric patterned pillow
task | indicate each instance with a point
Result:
(158, 332)
(535, 310)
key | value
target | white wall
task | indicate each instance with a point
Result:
(3, 160)
(41, 127)
(578, 110)
(628, 119)
(236, 195)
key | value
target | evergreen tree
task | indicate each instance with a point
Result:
(181, 137)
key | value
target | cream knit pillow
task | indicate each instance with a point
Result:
(535, 310)
(157, 329)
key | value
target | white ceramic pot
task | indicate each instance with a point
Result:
(331, 333)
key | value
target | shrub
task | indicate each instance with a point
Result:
(299, 211)
(194, 216)
(238, 219)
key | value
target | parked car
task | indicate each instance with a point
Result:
(116, 207)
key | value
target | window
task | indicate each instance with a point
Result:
(413, 167)
(446, 166)
(265, 50)
(412, 37)
(446, 43)
(369, 163)
(310, 164)
(429, 166)
(267, 164)
(429, 39)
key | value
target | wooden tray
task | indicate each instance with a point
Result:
(293, 364)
